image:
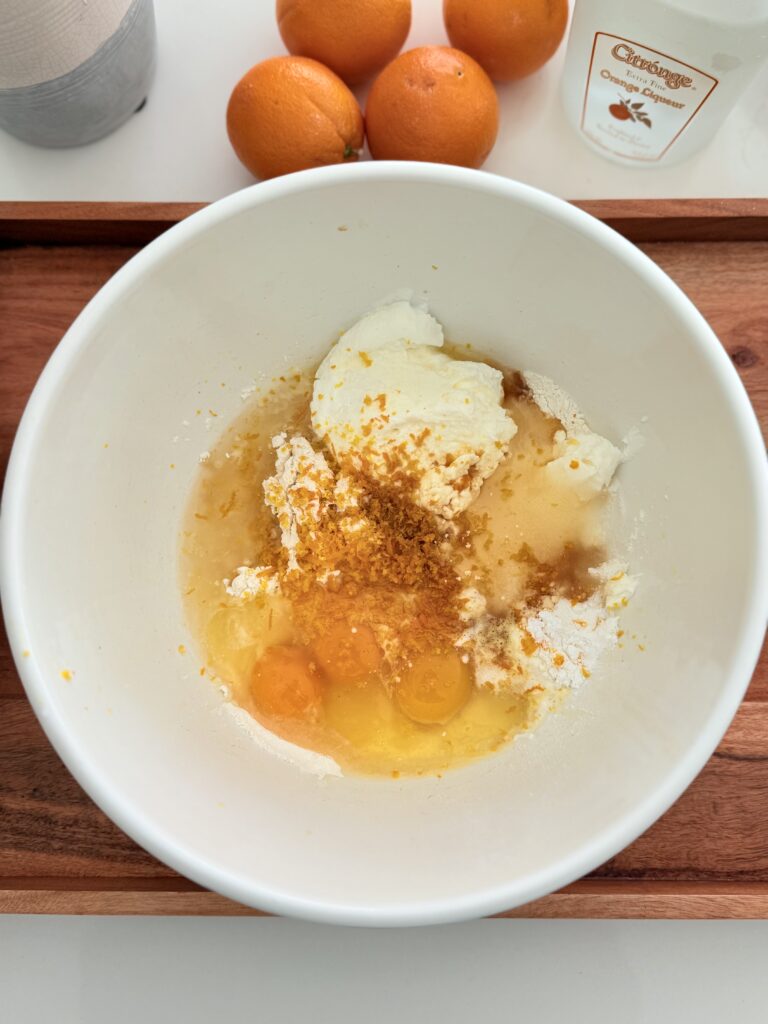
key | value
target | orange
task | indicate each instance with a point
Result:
(433, 103)
(355, 38)
(510, 38)
(290, 113)
(348, 654)
(285, 683)
(434, 688)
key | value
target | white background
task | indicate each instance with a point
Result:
(177, 147)
(92, 970)
(226, 971)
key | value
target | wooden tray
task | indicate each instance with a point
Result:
(707, 857)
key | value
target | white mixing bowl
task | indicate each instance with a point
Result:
(265, 279)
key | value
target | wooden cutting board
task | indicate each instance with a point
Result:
(707, 857)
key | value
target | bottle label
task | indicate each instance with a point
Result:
(638, 100)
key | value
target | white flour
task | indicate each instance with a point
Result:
(554, 402)
(294, 492)
(306, 760)
(251, 582)
(555, 648)
(571, 639)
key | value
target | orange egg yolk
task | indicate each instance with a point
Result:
(434, 688)
(348, 654)
(285, 683)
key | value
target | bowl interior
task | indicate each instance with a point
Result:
(264, 282)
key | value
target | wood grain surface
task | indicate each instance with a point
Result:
(707, 857)
(662, 220)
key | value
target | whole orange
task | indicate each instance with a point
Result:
(433, 103)
(510, 38)
(290, 113)
(355, 38)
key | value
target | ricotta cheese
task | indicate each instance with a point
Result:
(401, 410)
(583, 460)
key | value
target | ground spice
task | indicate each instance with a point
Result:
(568, 577)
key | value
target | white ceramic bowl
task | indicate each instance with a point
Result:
(265, 279)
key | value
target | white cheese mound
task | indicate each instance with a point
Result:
(385, 396)
(618, 586)
(583, 460)
(254, 582)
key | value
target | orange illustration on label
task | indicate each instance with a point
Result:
(626, 110)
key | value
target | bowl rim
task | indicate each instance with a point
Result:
(482, 901)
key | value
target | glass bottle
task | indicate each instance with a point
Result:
(648, 82)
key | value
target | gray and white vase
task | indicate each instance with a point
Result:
(71, 71)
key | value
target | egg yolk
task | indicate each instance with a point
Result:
(434, 688)
(348, 654)
(285, 683)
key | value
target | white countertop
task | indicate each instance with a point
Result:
(129, 970)
(176, 148)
